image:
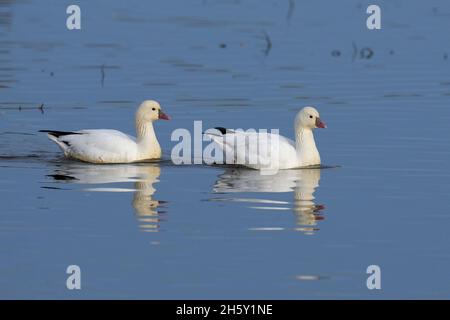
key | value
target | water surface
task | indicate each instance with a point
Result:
(157, 230)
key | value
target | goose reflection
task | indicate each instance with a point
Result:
(302, 183)
(143, 177)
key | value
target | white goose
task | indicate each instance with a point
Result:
(271, 151)
(112, 146)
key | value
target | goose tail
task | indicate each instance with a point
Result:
(55, 137)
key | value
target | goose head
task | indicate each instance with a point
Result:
(309, 118)
(150, 111)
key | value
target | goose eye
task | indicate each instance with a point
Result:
(153, 109)
(310, 117)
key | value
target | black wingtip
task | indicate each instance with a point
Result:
(58, 134)
(221, 129)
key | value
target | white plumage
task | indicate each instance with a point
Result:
(260, 150)
(112, 146)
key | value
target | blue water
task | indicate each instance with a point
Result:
(161, 231)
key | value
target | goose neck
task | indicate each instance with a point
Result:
(147, 144)
(144, 130)
(306, 147)
(304, 138)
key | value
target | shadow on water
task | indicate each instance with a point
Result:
(106, 178)
(5, 12)
(302, 183)
(6, 76)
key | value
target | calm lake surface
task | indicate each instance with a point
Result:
(157, 230)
